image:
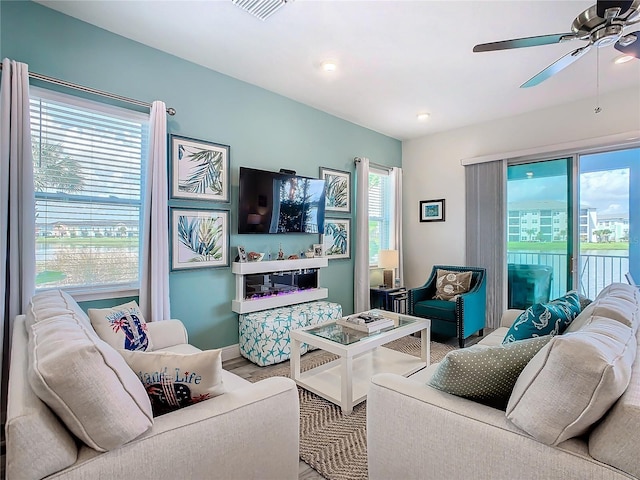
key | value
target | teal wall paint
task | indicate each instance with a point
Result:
(265, 130)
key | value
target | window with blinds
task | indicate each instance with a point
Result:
(380, 205)
(88, 163)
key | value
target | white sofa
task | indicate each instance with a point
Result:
(415, 431)
(226, 437)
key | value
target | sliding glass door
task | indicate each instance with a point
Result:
(609, 194)
(539, 231)
(572, 223)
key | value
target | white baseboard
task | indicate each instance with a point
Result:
(230, 352)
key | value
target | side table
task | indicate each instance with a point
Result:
(392, 299)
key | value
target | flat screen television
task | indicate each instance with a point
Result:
(274, 202)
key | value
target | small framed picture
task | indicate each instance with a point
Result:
(336, 240)
(338, 185)
(199, 238)
(242, 254)
(432, 210)
(200, 169)
(318, 250)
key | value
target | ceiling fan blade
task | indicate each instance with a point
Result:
(556, 66)
(632, 49)
(524, 42)
(603, 5)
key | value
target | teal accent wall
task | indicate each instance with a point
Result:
(265, 130)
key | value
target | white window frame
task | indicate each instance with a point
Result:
(106, 291)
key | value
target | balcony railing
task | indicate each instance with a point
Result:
(595, 271)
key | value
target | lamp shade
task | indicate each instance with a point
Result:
(388, 259)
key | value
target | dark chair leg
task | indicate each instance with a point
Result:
(481, 332)
(461, 342)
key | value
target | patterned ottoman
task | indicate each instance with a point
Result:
(264, 335)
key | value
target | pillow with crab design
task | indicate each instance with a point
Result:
(541, 319)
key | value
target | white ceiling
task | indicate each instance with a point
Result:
(395, 58)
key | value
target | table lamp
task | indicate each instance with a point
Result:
(388, 259)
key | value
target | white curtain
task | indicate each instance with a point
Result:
(361, 272)
(396, 181)
(154, 284)
(17, 203)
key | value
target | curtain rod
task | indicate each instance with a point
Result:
(376, 165)
(74, 86)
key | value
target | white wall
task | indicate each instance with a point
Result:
(432, 168)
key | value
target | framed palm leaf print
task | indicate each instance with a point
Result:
(338, 185)
(336, 240)
(199, 238)
(200, 169)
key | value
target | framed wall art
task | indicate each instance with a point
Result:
(432, 210)
(199, 238)
(338, 184)
(200, 169)
(336, 240)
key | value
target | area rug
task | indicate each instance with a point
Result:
(334, 444)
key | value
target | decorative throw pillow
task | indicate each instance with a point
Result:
(177, 380)
(484, 373)
(122, 327)
(450, 284)
(545, 318)
(581, 374)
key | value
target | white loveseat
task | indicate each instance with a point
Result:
(415, 431)
(230, 436)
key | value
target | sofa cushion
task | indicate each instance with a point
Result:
(617, 301)
(440, 309)
(177, 380)
(451, 284)
(122, 326)
(541, 319)
(483, 373)
(87, 384)
(29, 418)
(615, 440)
(573, 381)
(52, 303)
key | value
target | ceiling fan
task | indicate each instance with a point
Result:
(601, 25)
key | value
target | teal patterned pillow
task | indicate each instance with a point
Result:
(545, 318)
(485, 374)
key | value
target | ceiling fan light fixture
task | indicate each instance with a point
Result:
(423, 116)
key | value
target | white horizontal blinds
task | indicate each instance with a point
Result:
(88, 162)
(380, 207)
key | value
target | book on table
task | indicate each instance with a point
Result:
(371, 321)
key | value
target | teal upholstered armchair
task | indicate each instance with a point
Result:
(460, 318)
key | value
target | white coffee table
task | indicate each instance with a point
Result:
(345, 381)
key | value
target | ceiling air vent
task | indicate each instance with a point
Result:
(262, 9)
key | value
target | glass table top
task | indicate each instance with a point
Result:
(346, 336)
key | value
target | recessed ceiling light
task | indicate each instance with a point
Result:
(329, 66)
(423, 117)
(623, 59)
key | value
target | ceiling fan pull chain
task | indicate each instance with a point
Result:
(597, 109)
